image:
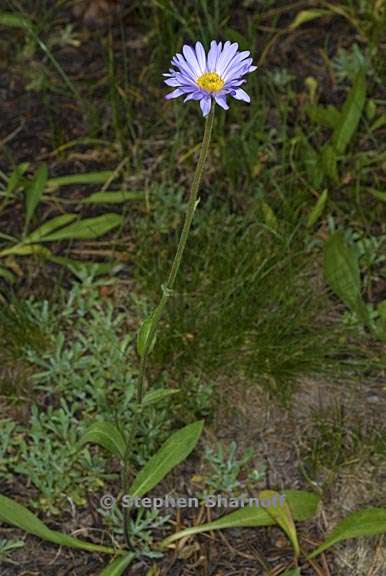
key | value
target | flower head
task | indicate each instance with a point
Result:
(214, 76)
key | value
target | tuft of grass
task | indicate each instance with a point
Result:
(247, 302)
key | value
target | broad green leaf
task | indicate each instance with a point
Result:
(26, 250)
(15, 178)
(341, 269)
(117, 566)
(106, 435)
(86, 229)
(174, 451)
(294, 572)
(317, 210)
(283, 517)
(112, 197)
(303, 506)
(14, 20)
(369, 522)
(350, 114)
(34, 192)
(88, 178)
(48, 227)
(7, 275)
(306, 16)
(17, 515)
(155, 396)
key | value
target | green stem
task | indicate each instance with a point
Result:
(166, 291)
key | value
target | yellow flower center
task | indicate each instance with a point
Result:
(211, 82)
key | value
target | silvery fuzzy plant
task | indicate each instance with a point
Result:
(210, 79)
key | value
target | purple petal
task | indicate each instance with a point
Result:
(180, 63)
(201, 57)
(221, 101)
(194, 96)
(226, 56)
(213, 55)
(172, 82)
(235, 63)
(191, 59)
(177, 92)
(205, 105)
(240, 94)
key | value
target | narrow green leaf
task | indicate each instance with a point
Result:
(317, 210)
(26, 250)
(378, 195)
(351, 114)
(283, 517)
(34, 192)
(15, 178)
(312, 164)
(329, 162)
(7, 275)
(379, 122)
(86, 229)
(88, 178)
(14, 20)
(303, 506)
(113, 197)
(117, 566)
(341, 269)
(155, 396)
(17, 515)
(369, 522)
(79, 268)
(50, 226)
(106, 435)
(174, 451)
(269, 216)
(306, 16)
(143, 335)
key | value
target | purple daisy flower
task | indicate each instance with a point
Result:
(201, 77)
